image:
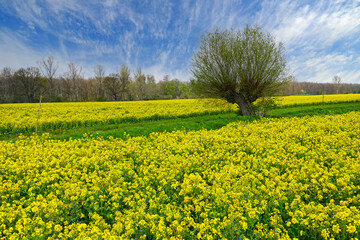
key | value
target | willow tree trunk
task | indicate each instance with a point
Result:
(244, 106)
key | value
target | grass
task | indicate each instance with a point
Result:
(192, 122)
(315, 109)
(144, 128)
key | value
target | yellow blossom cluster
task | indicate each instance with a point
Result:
(289, 178)
(23, 117)
(308, 99)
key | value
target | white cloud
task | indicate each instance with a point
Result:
(321, 37)
(16, 54)
(350, 76)
(319, 25)
(160, 70)
(323, 67)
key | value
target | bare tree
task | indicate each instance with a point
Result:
(140, 82)
(48, 69)
(99, 77)
(31, 82)
(72, 77)
(337, 82)
(124, 77)
(8, 86)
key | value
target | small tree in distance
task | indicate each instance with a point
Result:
(337, 82)
(239, 66)
(48, 69)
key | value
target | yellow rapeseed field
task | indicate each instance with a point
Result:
(289, 178)
(16, 117)
(22, 117)
(306, 99)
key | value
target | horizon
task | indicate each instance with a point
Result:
(322, 39)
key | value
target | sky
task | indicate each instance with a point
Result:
(322, 38)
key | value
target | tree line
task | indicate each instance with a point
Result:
(299, 88)
(28, 84)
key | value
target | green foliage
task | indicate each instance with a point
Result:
(263, 105)
(239, 66)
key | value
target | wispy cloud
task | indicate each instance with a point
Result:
(320, 24)
(319, 36)
(161, 35)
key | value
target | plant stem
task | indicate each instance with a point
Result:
(37, 119)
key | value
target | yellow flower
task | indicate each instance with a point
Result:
(58, 228)
(350, 228)
(325, 233)
(178, 184)
(244, 225)
(252, 214)
(336, 228)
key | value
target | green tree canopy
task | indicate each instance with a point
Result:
(239, 66)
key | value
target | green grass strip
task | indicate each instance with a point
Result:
(206, 121)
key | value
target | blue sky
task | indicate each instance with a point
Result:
(322, 37)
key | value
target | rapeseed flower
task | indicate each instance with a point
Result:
(258, 179)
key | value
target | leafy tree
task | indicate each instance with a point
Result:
(169, 88)
(113, 86)
(151, 87)
(239, 66)
(184, 90)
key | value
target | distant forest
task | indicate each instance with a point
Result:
(28, 84)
